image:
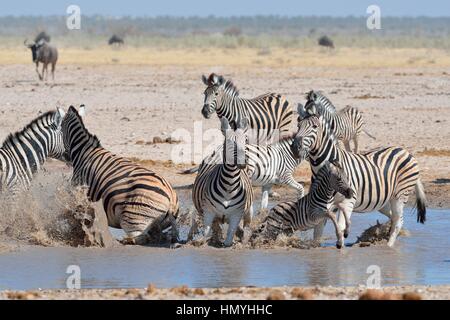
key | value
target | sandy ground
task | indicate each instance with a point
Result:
(241, 293)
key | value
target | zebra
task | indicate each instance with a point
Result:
(23, 153)
(311, 210)
(270, 115)
(267, 165)
(224, 190)
(382, 179)
(135, 199)
(346, 123)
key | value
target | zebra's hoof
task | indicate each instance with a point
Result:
(339, 245)
(346, 234)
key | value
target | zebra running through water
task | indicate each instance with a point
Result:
(23, 153)
(267, 165)
(270, 115)
(135, 199)
(346, 124)
(381, 179)
(311, 210)
(224, 191)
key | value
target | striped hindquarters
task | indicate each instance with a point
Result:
(381, 175)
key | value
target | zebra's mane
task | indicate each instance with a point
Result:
(9, 141)
(230, 88)
(95, 142)
(326, 104)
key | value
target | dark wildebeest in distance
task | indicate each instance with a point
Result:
(45, 53)
(115, 39)
(325, 41)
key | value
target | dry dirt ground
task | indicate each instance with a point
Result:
(241, 293)
(129, 105)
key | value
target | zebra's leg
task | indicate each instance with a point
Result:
(396, 219)
(233, 224)
(346, 209)
(355, 142)
(386, 210)
(208, 219)
(318, 230)
(339, 235)
(290, 181)
(265, 195)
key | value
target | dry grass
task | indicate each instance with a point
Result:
(434, 153)
(241, 57)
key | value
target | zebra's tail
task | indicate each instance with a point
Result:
(190, 171)
(421, 202)
(370, 136)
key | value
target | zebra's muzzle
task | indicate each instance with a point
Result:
(205, 111)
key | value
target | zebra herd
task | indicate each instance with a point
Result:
(258, 150)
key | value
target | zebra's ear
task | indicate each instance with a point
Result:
(82, 111)
(220, 80)
(60, 113)
(205, 80)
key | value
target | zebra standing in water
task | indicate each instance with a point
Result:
(23, 153)
(269, 115)
(267, 165)
(224, 190)
(312, 209)
(135, 198)
(346, 124)
(381, 179)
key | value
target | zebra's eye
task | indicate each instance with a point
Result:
(216, 93)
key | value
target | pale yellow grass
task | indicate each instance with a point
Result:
(242, 57)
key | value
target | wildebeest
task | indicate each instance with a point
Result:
(115, 39)
(45, 53)
(325, 41)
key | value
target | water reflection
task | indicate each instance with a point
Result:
(421, 258)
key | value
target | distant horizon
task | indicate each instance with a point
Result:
(232, 8)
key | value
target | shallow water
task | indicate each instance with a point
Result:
(423, 257)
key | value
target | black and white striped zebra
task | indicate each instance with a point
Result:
(311, 210)
(382, 179)
(223, 191)
(135, 199)
(267, 165)
(346, 124)
(23, 153)
(269, 115)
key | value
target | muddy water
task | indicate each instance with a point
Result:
(423, 257)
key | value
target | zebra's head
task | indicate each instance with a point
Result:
(235, 141)
(72, 127)
(216, 87)
(306, 137)
(313, 104)
(338, 179)
(56, 147)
